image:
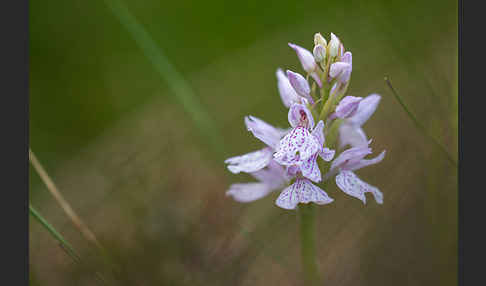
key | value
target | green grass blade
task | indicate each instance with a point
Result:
(66, 246)
(178, 85)
(69, 249)
(418, 124)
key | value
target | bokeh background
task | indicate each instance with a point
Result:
(150, 181)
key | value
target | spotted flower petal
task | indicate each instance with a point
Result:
(297, 146)
(248, 192)
(285, 89)
(265, 132)
(302, 191)
(250, 162)
(327, 154)
(349, 183)
(310, 169)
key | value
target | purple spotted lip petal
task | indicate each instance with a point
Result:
(299, 145)
(302, 191)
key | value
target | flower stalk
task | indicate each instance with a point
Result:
(307, 217)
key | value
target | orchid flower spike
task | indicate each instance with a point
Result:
(289, 160)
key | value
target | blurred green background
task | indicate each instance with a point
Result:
(150, 183)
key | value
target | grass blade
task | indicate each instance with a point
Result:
(419, 125)
(66, 246)
(178, 85)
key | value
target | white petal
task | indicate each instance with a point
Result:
(333, 45)
(349, 183)
(265, 132)
(248, 192)
(353, 135)
(297, 146)
(250, 162)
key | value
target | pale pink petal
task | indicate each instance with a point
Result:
(310, 169)
(274, 175)
(248, 192)
(285, 89)
(302, 191)
(300, 115)
(353, 135)
(327, 154)
(297, 146)
(348, 106)
(341, 70)
(265, 132)
(350, 157)
(250, 162)
(316, 78)
(349, 183)
(347, 58)
(306, 58)
(366, 108)
(366, 162)
(299, 83)
(318, 132)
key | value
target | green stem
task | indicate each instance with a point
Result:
(308, 243)
(419, 126)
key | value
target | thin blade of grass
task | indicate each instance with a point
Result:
(178, 85)
(66, 246)
(418, 124)
(66, 207)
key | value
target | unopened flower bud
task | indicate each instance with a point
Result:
(334, 45)
(319, 53)
(305, 57)
(319, 40)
